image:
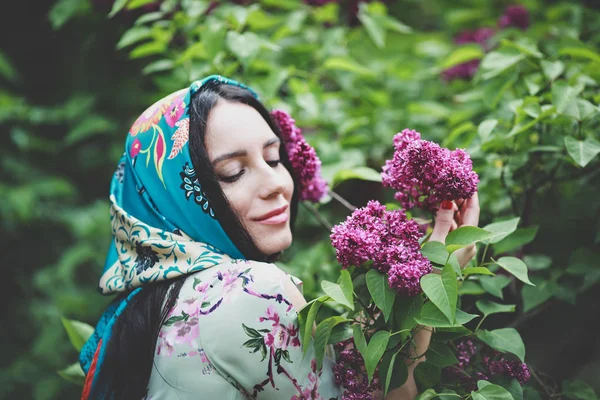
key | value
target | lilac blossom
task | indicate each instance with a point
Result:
(350, 373)
(471, 368)
(468, 69)
(386, 238)
(425, 174)
(515, 15)
(303, 158)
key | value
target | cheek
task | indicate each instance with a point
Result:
(238, 199)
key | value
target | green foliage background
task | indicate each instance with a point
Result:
(530, 119)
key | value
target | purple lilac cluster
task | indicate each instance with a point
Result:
(350, 373)
(493, 363)
(468, 69)
(515, 15)
(303, 158)
(386, 238)
(425, 174)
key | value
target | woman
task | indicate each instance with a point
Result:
(204, 197)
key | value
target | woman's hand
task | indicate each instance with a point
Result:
(453, 215)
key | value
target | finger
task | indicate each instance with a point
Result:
(470, 215)
(454, 226)
(443, 221)
(466, 254)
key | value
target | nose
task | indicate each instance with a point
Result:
(272, 181)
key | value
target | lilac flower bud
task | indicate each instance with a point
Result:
(515, 15)
(424, 174)
(303, 158)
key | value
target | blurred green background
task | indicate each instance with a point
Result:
(73, 80)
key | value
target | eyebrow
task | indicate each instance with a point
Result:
(241, 153)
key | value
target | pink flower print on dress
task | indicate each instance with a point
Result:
(163, 346)
(272, 315)
(189, 306)
(231, 282)
(311, 391)
(185, 332)
(281, 336)
(278, 338)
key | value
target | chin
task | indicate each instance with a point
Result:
(275, 243)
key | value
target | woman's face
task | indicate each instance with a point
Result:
(244, 153)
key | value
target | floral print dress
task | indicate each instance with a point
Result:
(233, 334)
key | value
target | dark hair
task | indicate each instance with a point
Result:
(129, 355)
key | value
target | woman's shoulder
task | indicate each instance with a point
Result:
(227, 281)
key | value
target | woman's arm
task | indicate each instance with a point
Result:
(447, 219)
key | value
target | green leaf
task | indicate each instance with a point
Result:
(488, 307)
(463, 54)
(432, 316)
(578, 390)
(582, 151)
(464, 236)
(489, 391)
(515, 389)
(347, 287)
(580, 52)
(64, 10)
(394, 370)
(534, 296)
(505, 340)
(440, 355)
(245, 46)
(375, 350)
(516, 267)
(340, 333)
(435, 252)
(375, 29)
(551, 69)
(496, 62)
(476, 271)
(347, 64)
(134, 35)
(78, 332)
(89, 126)
(564, 95)
(518, 238)
(470, 288)
(494, 285)
(359, 340)
(310, 320)
(406, 309)
(335, 291)
(427, 395)
(501, 229)
(536, 262)
(380, 290)
(442, 290)
(485, 129)
(74, 374)
(7, 70)
(158, 66)
(322, 336)
(427, 375)
(362, 173)
(117, 6)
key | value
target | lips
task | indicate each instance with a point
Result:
(270, 215)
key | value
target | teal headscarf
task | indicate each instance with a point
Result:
(162, 223)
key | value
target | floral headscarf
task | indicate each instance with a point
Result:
(162, 223)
